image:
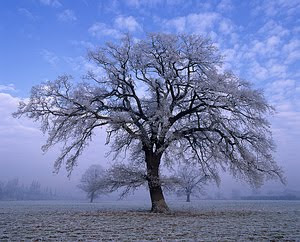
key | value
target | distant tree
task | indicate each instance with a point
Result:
(51, 194)
(12, 189)
(189, 180)
(1, 190)
(163, 99)
(35, 187)
(34, 191)
(93, 182)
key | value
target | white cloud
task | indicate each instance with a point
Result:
(179, 24)
(67, 16)
(112, 7)
(225, 6)
(133, 3)
(292, 49)
(100, 29)
(201, 23)
(82, 43)
(273, 41)
(8, 124)
(25, 12)
(178, 2)
(155, 3)
(284, 96)
(81, 65)
(292, 57)
(226, 26)
(9, 87)
(267, 48)
(283, 85)
(273, 28)
(258, 71)
(128, 23)
(144, 3)
(276, 69)
(287, 117)
(7, 101)
(210, 24)
(49, 57)
(52, 3)
(286, 8)
(121, 24)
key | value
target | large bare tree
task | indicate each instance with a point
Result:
(162, 99)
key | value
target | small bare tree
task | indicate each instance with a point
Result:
(162, 99)
(93, 182)
(189, 180)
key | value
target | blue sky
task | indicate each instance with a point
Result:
(41, 39)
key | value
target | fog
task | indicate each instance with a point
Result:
(21, 157)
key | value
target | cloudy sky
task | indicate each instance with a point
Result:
(41, 39)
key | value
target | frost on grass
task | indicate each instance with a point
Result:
(201, 221)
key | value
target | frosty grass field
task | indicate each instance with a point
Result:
(129, 220)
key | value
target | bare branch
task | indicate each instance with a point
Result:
(160, 97)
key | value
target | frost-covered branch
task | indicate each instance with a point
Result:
(129, 177)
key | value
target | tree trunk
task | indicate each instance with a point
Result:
(188, 197)
(159, 204)
(92, 197)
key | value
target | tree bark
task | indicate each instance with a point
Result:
(188, 197)
(159, 204)
(92, 197)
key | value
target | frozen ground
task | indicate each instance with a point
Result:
(129, 220)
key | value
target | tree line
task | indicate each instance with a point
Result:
(14, 190)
